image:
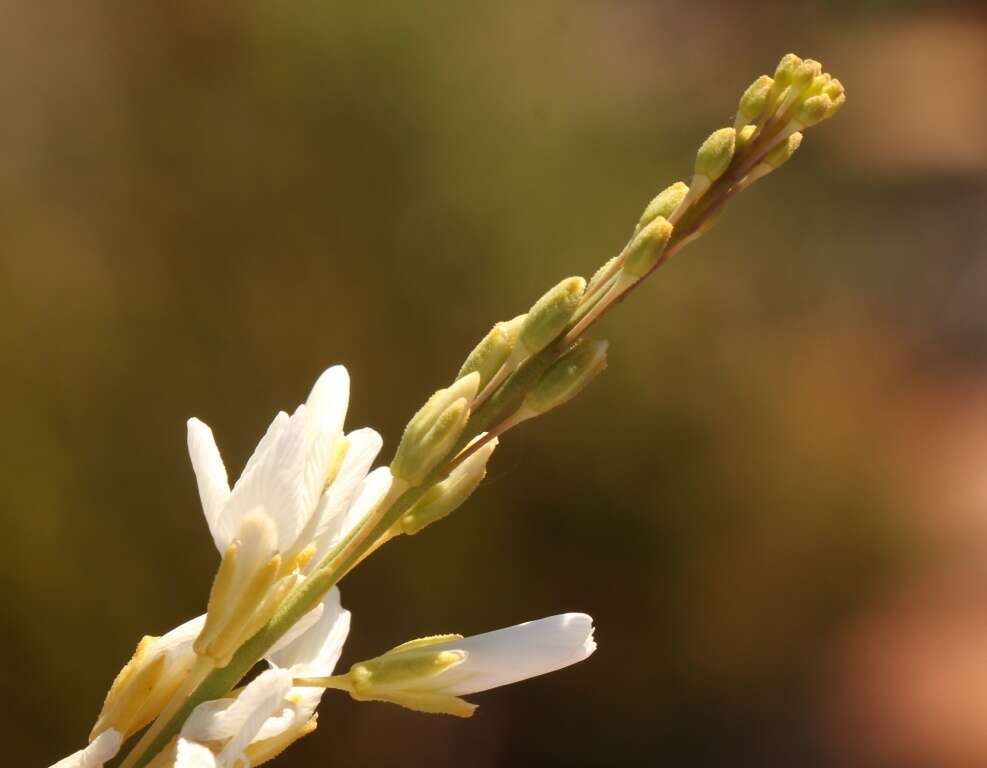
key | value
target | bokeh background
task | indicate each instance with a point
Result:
(774, 503)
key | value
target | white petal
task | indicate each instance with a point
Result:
(316, 652)
(210, 474)
(271, 436)
(104, 747)
(328, 401)
(517, 653)
(270, 483)
(188, 754)
(372, 491)
(364, 445)
(270, 689)
(242, 717)
(179, 640)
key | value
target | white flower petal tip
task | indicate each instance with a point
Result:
(329, 399)
(101, 749)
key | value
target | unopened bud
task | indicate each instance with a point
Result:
(715, 154)
(433, 431)
(774, 159)
(783, 152)
(663, 204)
(786, 70)
(752, 102)
(446, 497)
(567, 376)
(805, 73)
(744, 135)
(814, 110)
(647, 247)
(492, 352)
(550, 315)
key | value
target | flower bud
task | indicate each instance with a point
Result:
(433, 431)
(786, 70)
(663, 204)
(744, 135)
(805, 73)
(715, 154)
(550, 315)
(567, 376)
(753, 101)
(783, 152)
(447, 496)
(647, 246)
(492, 352)
(813, 110)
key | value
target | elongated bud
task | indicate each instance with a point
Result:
(744, 135)
(567, 376)
(781, 154)
(433, 431)
(492, 351)
(813, 110)
(773, 160)
(805, 73)
(753, 101)
(663, 204)
(446, 497)
(647, 247)
(785, 71)
(715, 154)
(550, 315)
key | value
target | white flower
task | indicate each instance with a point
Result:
(269, 713)
(104, 747)
(303, 489)
(431, 674)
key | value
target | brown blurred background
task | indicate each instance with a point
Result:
(775, 501)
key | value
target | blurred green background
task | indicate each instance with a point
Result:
(774, 503)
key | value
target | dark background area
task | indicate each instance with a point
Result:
(774, 503)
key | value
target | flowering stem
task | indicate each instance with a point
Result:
(494, 408)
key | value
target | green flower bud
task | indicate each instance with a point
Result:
(752, 102)
(567, 376)
(715, 154)
(744, 135)
(805, 73)
(493, 350)
(834, 89)
(781, 154)
(814, 110)
(662, 205)
(786, 70)
(550, 315)
(447, 496)
(647, 246)
(434, 430)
